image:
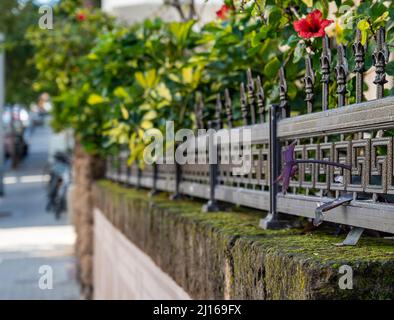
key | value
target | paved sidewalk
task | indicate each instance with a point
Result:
(31, 240)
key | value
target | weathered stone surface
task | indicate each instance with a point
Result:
(86, 169)
(225, 255)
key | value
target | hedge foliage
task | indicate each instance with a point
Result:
(110, 82)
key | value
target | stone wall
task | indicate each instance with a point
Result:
(225, 255)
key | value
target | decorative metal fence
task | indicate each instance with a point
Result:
(356, 134)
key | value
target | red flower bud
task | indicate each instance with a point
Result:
(312, 26)
(81, 16)
(223, 12)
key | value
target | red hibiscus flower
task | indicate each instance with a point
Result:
(312, 26)
(81, 16)
(223, 12)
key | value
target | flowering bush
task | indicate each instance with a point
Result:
(112, 82)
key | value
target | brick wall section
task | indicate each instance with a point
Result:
(225, 255)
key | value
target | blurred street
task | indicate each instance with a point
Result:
(30, 237)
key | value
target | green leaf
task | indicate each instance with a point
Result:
(121, 92)
(390, 68)
(274, 15)
(95, 99)
(299, 52)
(272, 67)
(309, 3)
(164, 92)
(150, 115)
(125, 113)
(139, 77)
(363, 25)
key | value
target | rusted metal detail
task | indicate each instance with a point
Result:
(229, 108)
(342, 71)
(251, 96)
(325, 64)
(260, 99)
(380, 59)
(244, 107)
(359, 55)
(309, 81)
(284, 103)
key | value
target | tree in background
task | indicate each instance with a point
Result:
(16, 17)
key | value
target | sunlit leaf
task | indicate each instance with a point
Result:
(309, 3)
(125, 113)
(187, 75)
(150, 115)
(121, 92)
(164, 92)
(95, 99)
(146, 124)
(364, 27)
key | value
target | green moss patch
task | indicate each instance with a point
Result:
(226, 255)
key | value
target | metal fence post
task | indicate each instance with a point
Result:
(273, 219)
(211, 205)
(178, 177)
(154, 190)
(139, 176)
(128, 174)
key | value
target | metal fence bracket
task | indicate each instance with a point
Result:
(319, 212)
(352, 237)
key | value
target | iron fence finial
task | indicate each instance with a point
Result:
(325, 63)
(229, 108)
(284, 104)
(218, 111)
(260, 99)
(244, 109)
(309, 81)
(342, 71)
(251, 88)
(359, 56)
(380, 59)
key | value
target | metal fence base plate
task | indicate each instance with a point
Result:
(175, 196)
(210, 206)
(153, 193)
(271, 222)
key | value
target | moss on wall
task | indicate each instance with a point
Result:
(225, 255)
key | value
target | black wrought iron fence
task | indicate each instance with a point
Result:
(362, 197)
